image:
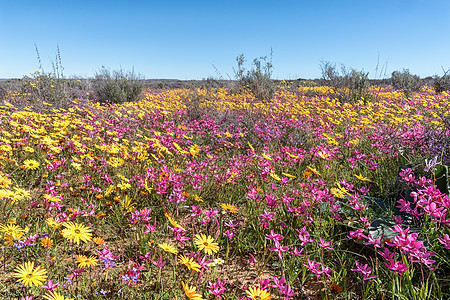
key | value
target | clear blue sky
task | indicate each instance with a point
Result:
(184, 39)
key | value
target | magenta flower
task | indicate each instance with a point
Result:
(286, 291)
(231, 224)
(387, 254)
(145, 257)
(326, 271)
(358, 234)
(203, 262)
(264, 282)
(252, 260)
(397, 266)
(406, 241)
(217, 288)
(278, 282)
(160, 263)
(303, 236)
(404, 205)
(313, 267)
(76, 273)
(282, 288)
(106, 254)
(365, 270)
(422, 257)
(371, 241)
(274, 236)
(229, 234)
(445, 240)
(279, 249)
(365, 221)
(397, 220)
(267, 216)
(325, 245)
(297, 252)
(50, 286)
(150, 228)
(179, 234)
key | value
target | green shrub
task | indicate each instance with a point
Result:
(258, 78)
(406, 82)
(348, 85)
(117, 86)
(442, 83)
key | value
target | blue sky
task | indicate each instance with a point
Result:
(184, 39)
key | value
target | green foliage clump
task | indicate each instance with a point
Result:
(406, 82)
(117, 86)
(258, 78)
(348, 85)
(442, 83)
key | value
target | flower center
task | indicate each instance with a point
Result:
(205, 243)
(29, 275)
(257, 298)
(77, 231)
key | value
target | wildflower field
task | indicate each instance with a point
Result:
(210, 194)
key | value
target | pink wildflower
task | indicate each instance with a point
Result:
(365, 270)
(397, 266)
(325, 245)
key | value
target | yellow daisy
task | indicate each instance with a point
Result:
(255, 293)
(28, 149)
(229, 207)
(206, 243)
(173, 222)
(12, 230)
(191, 292)
(76, 232)
(21, 193)
(29, 275)
(266, 156)
(288, 175)
(274, 176)
(98, 240)
(197, 198)
(55, 296)
(168, 248)
(31, 164)
(47, 242)
(194, 150)
(323, 155)
(189, 263)
(314, 171)
(52, 223)
(362, 178)
(84, 261)
(9, 240)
